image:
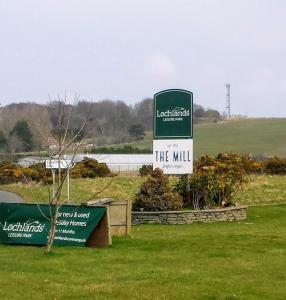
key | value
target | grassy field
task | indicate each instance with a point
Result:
(119, 187)
(265, 137)
(255, 136)
(262, 189)
(240, 260)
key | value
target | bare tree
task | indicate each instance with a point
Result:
(63, 141)
(66, 143)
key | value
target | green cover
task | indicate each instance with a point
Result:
(173, 114)
(30, 223)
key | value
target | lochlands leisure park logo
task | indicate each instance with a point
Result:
(22, 229)
(176, 114)
(173, 110)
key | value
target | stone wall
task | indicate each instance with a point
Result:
(187, 217)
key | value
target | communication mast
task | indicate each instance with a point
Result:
(227, 106)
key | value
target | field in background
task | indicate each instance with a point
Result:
(264, 137)
(260, 189)
(259, 137)
(241, 260)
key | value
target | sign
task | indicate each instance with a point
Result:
(30, 223)
(173, 156)
(56, 164)
(62, 164)
(173, 114)
(173, 131)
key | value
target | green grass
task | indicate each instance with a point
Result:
(82, 189)
(239, 260)
(145, 144)
(262, 189)
(255, 136)
(265, 137)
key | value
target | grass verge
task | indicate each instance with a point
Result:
(239, 260)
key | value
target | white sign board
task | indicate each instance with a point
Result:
(62, 164)
(173, 156)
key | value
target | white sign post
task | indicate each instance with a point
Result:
(55, 164)
(173, 156)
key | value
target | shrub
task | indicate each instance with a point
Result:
(10, 173)
(6, 170)
(146, 170)
(155, 194)
(32, 174)
(90, 168)
(215, 181)
(249, 164)
(40, 169)
(275, 165)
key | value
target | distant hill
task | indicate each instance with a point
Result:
(258, 137)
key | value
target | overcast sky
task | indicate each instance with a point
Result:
(130, 49)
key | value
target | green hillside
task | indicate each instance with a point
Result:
(254, 136)
(258, 137)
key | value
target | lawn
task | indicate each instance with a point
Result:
(239, 260)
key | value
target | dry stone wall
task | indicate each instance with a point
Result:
(187, 217)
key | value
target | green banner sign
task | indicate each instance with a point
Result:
(173, 114)
(30, 223)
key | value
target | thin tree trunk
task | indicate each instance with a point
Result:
(52, 232)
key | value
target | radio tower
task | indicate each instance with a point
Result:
(227, 106)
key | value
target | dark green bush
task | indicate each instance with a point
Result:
(146, 170)
(275, 165)
(156, 195)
